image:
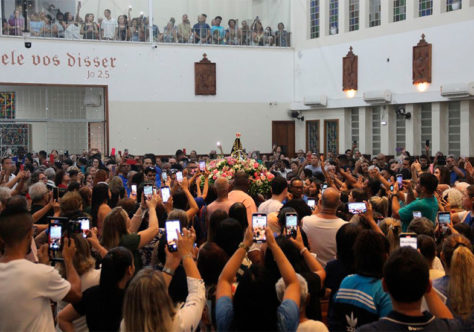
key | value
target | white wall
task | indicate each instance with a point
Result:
(152, 106)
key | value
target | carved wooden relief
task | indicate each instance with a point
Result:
(349, 71)
(205, 77)
(422, 62)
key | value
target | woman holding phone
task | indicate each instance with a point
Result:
(255, 305)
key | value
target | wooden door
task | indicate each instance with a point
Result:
(283, 134)
(331, 136)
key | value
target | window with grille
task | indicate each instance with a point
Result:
(425, 125)
(355, 125)
(453, 5)
(353, 15)
(374, 13)
(312, 136)
(334, 17)
(425, 8)
(454, 128)
(314, 18)
(399, 10)
(400, 132)
(376, 117)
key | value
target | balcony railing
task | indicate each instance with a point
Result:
(51, 22)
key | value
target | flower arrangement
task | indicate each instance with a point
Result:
(260, 177)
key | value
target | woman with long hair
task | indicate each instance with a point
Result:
(99, 207)
(442, 174)
(61, 180)
(102, 304)
(147, 305)
(458, 283)
(119, 230)
(255, 305)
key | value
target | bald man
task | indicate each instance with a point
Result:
(222, 202)
(321, 228)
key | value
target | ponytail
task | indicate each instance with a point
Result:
(461, 282)
(459, 259)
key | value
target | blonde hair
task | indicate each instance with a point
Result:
(115, 226)
(147, 305)
(391, 228)
(380, 205)
(70, 202)
(457, 255)
(454, 197)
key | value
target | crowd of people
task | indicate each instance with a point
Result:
(145, 243)
(53, 23)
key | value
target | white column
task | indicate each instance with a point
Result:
(343, 16)
(466, 4)
(439, 7)
(365, 130)
(388, 132)
(385, 12)
(363, 14)
(323, 18)
(345, 131)
(413, 129)
(150, 19)
(467, 120)
(439, 128)
(412, 10)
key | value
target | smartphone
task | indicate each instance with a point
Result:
(164, 176)
(325, 186)
(179, 176)
(202, 166)
(444, 218)
(148, 192)
(85, 226)
(291, 220)
(134, 190)
(357, 208)
(165, 194)
(391, 187)
(55, 229)
(259, 223)
(56, 194)
(400, 181)
(417, 214)
(311, 203)
(172, 227)
(408, 240)
(114, 167)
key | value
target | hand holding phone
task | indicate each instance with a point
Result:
(148, 192)
(291, 221)
(409, 240)
(179, 177)
(165, 194)
(400, 181)
(133, 192)
(312, 203)
(202, 166)
(172, 229)
(444, 218)
(357, 208)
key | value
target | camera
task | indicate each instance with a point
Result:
(28, 44)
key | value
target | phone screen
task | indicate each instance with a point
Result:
(291, 224)
(408, 240)
(85, 226)
(417, 214)
(148, 192)
(164, 176)
(202, 166)
(311, 203)
(55, 233)
(179, 176)
(134, 190)
(444, 218)
(165, 194)
(357, 208)
(172, 227)
(400, 181)
(259, 223)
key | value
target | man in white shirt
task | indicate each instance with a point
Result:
(27, 288)
(279, 194)
(108, 26)
(321, 228)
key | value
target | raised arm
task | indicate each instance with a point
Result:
(69, 250)
(193, 207)
(148, 234)
(309, 259)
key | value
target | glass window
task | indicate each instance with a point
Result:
(376, 117)
(425, 125)
(334, 17)
(353, 15)
(399, 10)
(400, 133)
(314, 18)
(454, 128)
(425, 8)
(453, 5)
(355, 125)
(374, 13)
(312, 136)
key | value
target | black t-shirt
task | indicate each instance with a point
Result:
(335, 273)
(103, 310)
(44, 220)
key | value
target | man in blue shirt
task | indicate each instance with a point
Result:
(426, 203)
(218, 32)
(455, 172)
(202, 30)
(149, 160)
